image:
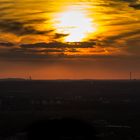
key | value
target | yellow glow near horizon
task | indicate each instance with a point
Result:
(76, 24)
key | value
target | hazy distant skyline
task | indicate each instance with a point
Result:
(76, 39)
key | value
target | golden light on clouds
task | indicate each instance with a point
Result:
(75, 23)
(69, 28)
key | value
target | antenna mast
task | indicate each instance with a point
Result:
(30, 78)
(130, 75)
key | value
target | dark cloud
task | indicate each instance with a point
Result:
(6, 44)
(58, 35)
(133, 3)
(53, 50)
(59, 45)
(135, 6)
(34, 21)
(129, 1)
(19, 28)
(6, 2)
(122, 23)
(124, 35)
(5, 8)
(38, 51)
(42, 50)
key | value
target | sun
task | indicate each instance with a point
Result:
(76, 24)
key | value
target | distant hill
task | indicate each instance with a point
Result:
(13, 79)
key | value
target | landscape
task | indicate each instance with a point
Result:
(111, 106)
(69, 69)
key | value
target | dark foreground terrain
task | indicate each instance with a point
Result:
(112, 107)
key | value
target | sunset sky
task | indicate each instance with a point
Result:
(70, 39)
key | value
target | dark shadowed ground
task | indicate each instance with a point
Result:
(111, 107)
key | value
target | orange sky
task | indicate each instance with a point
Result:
(72, 69)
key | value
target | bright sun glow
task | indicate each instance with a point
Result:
(76, 24)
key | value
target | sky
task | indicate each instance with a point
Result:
(70, 39)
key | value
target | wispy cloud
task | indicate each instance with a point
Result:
(19, 28)
(59, 45)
